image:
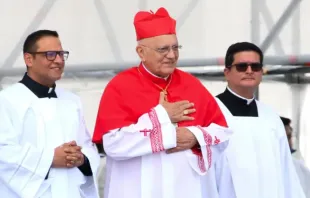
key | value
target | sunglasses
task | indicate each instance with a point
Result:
(242, 67)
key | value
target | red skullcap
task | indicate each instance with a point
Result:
(148, 24)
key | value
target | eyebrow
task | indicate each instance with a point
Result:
(162, 46)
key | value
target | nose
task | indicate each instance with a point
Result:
(171, 54)
(249, 69)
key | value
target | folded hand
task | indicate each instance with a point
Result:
(185, 140)
(68, 155)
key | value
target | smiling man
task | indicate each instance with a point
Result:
(259, 159)
(46, 150)
(160, 128)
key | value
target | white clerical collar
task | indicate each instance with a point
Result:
(248, 100)
(152, 73)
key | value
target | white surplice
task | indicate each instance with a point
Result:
(259, 162)
(30, 130)
(304, 176)
(135, 168)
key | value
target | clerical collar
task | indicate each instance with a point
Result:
(248, 101)
(39, 90)
(158, 80)
(237, 105)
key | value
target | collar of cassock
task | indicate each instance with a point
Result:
(155, 79)
(248, 101)
(39, 90)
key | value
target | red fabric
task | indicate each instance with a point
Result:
(148, 24)
(132, 93)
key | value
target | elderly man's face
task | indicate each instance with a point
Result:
(159, 54)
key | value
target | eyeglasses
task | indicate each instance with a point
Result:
(51, 55)
(166, 49)
(242, 67)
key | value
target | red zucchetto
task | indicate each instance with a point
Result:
(149, 24)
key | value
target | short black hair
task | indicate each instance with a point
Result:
(286, 121)
(241, 47)
(32, 39)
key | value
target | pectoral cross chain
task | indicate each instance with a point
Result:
(166, 93)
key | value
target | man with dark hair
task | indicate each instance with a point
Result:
(30, 44)
(46, 150)
(259, 160)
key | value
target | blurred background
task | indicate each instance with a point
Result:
(101, 39)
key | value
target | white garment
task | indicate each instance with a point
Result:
(137, 168)
(304, 175)
(30, 129)
(304, 131)
(259, 160)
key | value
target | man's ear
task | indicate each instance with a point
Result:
(226, 72)
(28, 58)
(141, 52)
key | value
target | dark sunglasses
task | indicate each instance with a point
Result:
(242, 67)
(51, 55)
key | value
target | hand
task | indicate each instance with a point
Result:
(74, 157)
(185, 140)
(75, 161)
(177, 111)
(67, 153)
(60, 158)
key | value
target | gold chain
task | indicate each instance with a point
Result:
(163, 90)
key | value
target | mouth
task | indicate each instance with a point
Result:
(169, 63)
(248, 79)
(57, 68)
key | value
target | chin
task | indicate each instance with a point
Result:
(168, 70)
(249, 84)
(56, 77)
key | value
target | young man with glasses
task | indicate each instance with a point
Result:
(159, 125)
(45, 148)
(259, 159)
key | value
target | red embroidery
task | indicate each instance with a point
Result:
(201, 164)
(216, 141)
(145, 131)
(208, 140)
(156, 133)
